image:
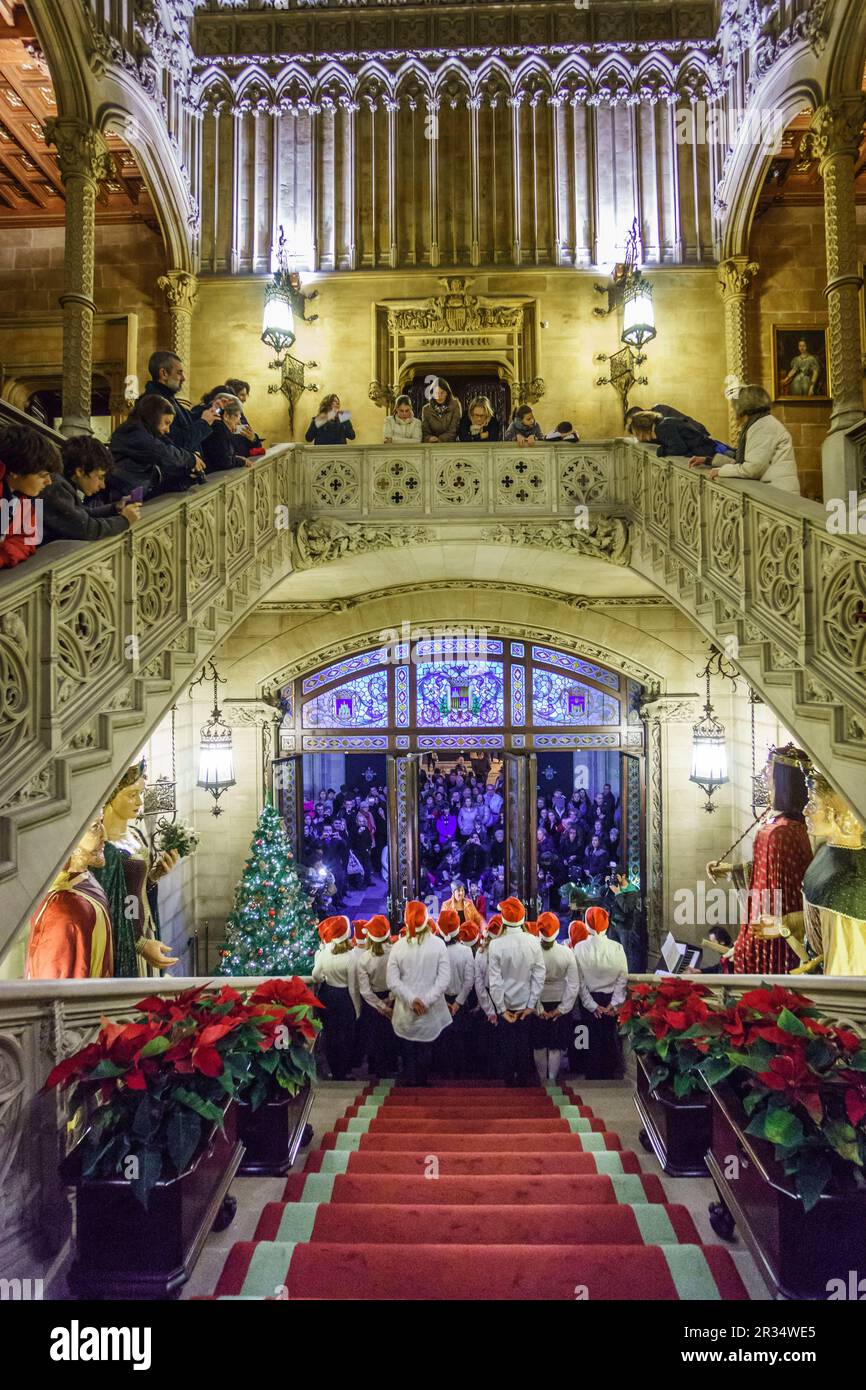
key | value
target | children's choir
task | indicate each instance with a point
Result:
(505, 999)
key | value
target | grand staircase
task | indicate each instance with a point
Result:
(475, 1191)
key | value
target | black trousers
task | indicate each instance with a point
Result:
(417, 1058)
(515, 1051)
(603, 1058)
(449, 1050)
(378, 1040)
(338, 1029)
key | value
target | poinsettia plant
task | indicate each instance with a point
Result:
(802, 1082)
(153, 1088)
(671, 1023)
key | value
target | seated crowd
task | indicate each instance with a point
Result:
(87, 491)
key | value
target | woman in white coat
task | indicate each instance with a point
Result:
(765, 449)
(335, 976)
(418, 975)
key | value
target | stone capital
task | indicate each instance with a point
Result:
(836, 128)
(735, 276)
(81, 150)
(180, 289)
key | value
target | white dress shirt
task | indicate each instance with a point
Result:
(462, 968)
(515, 970)
(419, 970)
(603, 969)
(373, 975)
(340, 971)
(481, 989)
(562, 980)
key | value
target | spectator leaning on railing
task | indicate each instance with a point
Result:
(145, 457)
(765, 449)
(28, 464)
(65, 513)
(218, 449)
(167, 378)
(246, 441)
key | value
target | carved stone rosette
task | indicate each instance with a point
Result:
(735, 278)
(85, 163)
(834, 139)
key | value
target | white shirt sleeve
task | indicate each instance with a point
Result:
(318, 972)
(494, 981)
(365, 985)
(479, 965)
(468, 979)
(442, 980)
(586, 998)
(388, 431)
(537, 976)
(620, 985)
(572, 984)
(354, 990)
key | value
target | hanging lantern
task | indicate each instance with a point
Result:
(639, 321)
(709, 754)
(278, 327)
(216, 772)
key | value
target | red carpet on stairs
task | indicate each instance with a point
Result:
(475, 1192)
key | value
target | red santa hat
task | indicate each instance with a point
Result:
(334, 930)
(416, 917)
(378, 929)
(495, 925)
(548, 925)
(513, 914)
(469, 932)
(359, 925)
(597, 919)
(577, 931)
(531, 927)
(449, 923)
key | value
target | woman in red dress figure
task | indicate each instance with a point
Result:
(773, 881)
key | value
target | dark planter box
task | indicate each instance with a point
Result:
(797, 1251)
(124, 1251)
(272, 1134)
(677, 1131)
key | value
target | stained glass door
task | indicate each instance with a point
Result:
(288, 792)
(521, 865)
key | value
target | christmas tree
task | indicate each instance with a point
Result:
(271, 929)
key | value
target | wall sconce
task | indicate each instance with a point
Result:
(284, 301)
(638, 314)
(621, 275)
(216, 771)
(709, 754)
(622, 373)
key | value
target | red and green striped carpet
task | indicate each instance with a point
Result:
(468, 1191)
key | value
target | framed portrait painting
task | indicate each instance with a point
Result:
(801, 370)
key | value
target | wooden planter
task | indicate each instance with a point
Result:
(272, 1134)
(127, 1252)
(798, 1252)
(676, 1131)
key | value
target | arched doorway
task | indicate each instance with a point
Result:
(539, 723)
(467, 380)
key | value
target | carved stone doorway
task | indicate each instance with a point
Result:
(467, 380)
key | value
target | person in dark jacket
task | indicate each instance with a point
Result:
(479, 425)
(65, 514)
(246, 441)
(167, 378)
(670, 412)
(332, 425)
(28, 464)
(677, 437)
(144, 455)
(622, 901)
(218, 450)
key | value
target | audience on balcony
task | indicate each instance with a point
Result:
(247, 443)
(218, 450)
(145, 456)
(167, 378)
(524, 428)
(67, 513)
(765, 449)
(565, 433)
(440, 418)
(675, 435)
(402, 426)
(332, 425)
(29, 463)
(479, 425)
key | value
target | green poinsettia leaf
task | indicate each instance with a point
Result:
(183, 1133)
(716, 1069)
(843, 1138)
(811, 1180)
(155, 1047)
(790, 1023)
(783, 1128)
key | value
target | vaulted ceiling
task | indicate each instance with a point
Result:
(31, 189)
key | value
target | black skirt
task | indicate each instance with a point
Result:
(551, 1033)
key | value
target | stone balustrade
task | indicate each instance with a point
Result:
(43, 1022)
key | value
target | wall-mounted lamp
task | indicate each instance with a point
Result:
(709, 753)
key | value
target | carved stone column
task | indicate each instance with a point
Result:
(181, 291)
(84, 164)
(735, 277)
(834, 138)
(658, 713)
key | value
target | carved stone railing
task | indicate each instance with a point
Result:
(95, 641)
(766, 576)
(44, 1022)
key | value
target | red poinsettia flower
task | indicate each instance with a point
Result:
(288, 992)
(855, 1104)
(848, 1040)
(789, 1072)
(772, 1001)
(71, 1068)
